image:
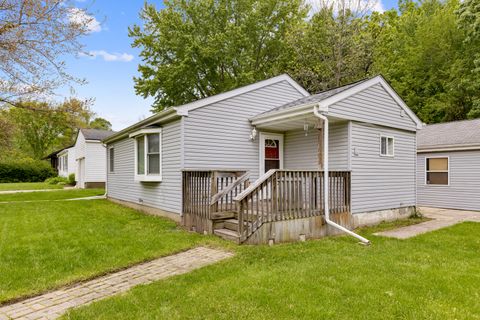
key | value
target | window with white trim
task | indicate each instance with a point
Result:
(437, 171)
(111, 159)
(148, 154)
(387, 146)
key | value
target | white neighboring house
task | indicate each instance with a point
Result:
(66, 162)
(91, 158)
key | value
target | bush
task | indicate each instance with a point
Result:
(57, 180)
(25, 171)
(71, 179)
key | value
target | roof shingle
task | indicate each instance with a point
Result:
(457, 133)
(96, 134)
(318, 97)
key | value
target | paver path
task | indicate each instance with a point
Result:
(53, 304)
(441, 218)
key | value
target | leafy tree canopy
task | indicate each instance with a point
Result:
(428, 50)
(196, 48)
(100, 123)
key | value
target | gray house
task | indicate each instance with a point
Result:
(250, 164)
(448, 170)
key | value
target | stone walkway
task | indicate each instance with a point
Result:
(441, 218)
(53, 304)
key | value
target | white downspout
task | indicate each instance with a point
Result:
(325, 177)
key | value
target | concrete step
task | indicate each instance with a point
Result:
(227, 234)
(231, 224)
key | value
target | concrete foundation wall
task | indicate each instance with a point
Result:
(375, 217)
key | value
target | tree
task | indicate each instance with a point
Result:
(468, 16)
(196, 48)
(77, 114)
(35, 35)
(41, 127)
(6, 133)
(100, 123)
(38, 127)
(334, 47)
(423, 52)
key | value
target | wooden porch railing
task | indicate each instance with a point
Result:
(208, 191)
(290, 194)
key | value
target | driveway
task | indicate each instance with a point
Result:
(441, 218)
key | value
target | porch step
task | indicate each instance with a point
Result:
(231, 224)
(223, 215)
(227, 234)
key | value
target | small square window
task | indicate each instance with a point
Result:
(386, 146)
(437, 171)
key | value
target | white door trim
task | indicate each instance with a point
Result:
(267, 135)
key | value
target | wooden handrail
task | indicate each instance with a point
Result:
(199, 186)
(255, 185)
(290, 194)
(229, 188)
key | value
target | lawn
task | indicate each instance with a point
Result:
(28, 186)
(432, 276)
(51, 195)
(44, 245)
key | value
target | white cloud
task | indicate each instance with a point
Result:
(107, 56)
(80, 17)
(359, 7)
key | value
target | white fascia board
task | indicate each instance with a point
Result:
(287, 113)
(164, 115)
(61, 153)
(184, 109)
(144, 131)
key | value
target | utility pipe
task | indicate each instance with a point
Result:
(317, 113)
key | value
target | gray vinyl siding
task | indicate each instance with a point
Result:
(380, 183)
(373, 105)
(165, 195)
(217, 136)
(463, 191)
(301, 152)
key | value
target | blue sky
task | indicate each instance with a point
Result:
(110, 70)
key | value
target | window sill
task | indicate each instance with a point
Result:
(147, 178)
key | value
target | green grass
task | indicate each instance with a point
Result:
(51, 195)
(45, 245)
(432, 276)
(28, 186)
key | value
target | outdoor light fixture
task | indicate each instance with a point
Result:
(305, 128)
(253, 135)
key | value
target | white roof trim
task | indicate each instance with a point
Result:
(184, 109)
(262, 118)
(144, 131)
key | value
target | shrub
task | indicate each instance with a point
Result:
(57, 180)
(25, 171)
(71, 179)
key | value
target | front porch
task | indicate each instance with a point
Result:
(287, 201)
(283, 205)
